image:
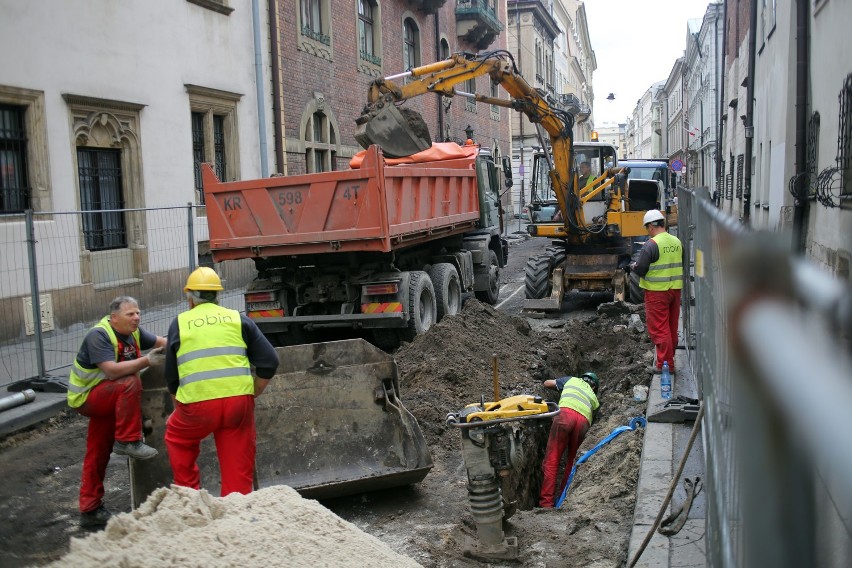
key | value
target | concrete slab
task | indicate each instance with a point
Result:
(45, 406)
(655, 555)
(688, 547)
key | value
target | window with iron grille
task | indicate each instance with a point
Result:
(198, 150)
(410, 44)
(470, 87)
(368, 36)
(14, 183)
(214, 139)
(208, 147)
(314, 21)
(99, 172)
(844, 137)
(740, 166)
(729, 180)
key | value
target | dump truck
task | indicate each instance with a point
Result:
(591, 246)
(388, 246)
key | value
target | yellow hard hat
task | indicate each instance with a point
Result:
(203, 278)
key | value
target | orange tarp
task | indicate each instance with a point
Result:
(438, 151)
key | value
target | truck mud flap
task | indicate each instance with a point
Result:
(329, 424)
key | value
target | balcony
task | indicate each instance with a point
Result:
(477, 23)
(428, 6)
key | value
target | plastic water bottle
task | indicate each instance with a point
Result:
(666, 382)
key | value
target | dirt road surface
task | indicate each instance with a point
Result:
(440, 372)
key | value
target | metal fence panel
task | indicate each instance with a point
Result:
(777, 456)
(73, 286)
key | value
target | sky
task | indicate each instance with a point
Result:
(636, 43)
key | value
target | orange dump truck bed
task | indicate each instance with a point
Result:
(375, 208)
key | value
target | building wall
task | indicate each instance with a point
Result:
(334, 80)
(122, 76)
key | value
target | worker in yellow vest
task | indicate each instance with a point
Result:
(660, 270)
(104, 385)
(578, 407)
(209, 356)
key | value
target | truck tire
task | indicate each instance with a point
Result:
(421, 305)
(537, 277)
(492, 293)
(448, 296)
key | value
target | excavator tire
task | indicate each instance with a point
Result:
(557, 255)
(537, 277)
(448, 297)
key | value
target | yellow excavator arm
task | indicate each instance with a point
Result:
(382, 123)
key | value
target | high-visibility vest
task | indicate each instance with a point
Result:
(667, 272)
(578, 395)
(82, 380)
(212, 360)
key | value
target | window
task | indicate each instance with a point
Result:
(844, 137)
(99, 173)
(410, 44)
(320, 144)
(495, 110)
(14, 184)
(445, 48)
(368, 34)
(315, 27)
(24, 164)
(469, 102)
(213, 123)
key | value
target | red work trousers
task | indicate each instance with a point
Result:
(115, 413)
(662, 311)
(231, 421)
(567, 432)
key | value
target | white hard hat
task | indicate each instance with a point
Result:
(651, 216)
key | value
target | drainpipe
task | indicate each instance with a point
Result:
(749, 125)
(281, 165)
(800, 206)
(438, 57)
(259, 84)
(722, 112)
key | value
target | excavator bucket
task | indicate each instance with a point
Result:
(398, 132)
(329, 424)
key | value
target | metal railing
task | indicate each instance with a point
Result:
(53, 289)
(770, 342)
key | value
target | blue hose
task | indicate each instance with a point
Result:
(634, 423)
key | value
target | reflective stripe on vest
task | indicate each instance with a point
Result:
(212, 359)
(667, 272)
(578, 395)
(82, 380)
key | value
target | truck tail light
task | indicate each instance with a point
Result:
(260, 296)
(380, 289)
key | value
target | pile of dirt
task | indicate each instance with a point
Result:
(452, 366)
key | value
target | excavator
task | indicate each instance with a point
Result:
(592, 236)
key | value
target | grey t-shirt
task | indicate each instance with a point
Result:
(96, 347)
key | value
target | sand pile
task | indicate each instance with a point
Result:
(270, 527)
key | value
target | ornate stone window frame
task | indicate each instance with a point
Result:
(317, 46)
(35, 123)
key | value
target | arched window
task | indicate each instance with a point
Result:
(410, 44)
(320, 144)
(445, 48)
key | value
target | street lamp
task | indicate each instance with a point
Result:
(468, 132)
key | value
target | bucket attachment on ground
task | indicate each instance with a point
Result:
(677, 410)
(329, 424)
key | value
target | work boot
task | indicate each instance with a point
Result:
(96, 518)
(136, 450)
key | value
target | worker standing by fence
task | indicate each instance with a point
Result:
(208, 371)
(104, 386)
(660, 270)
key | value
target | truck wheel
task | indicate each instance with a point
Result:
(537, 277)
(445, 279)
(421, 305)
(490, 295)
